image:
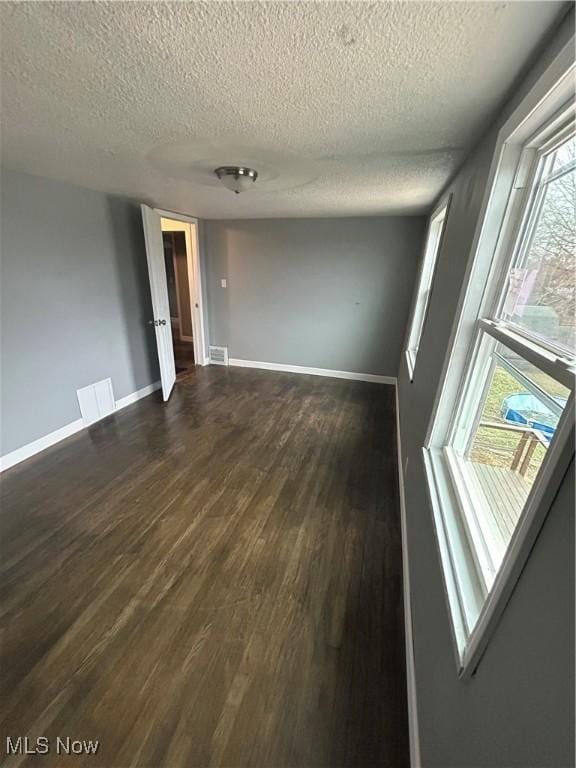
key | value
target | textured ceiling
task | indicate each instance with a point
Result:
(346, 108)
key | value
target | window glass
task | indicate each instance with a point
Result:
(564, 156)
(541, 290)
(515, 421)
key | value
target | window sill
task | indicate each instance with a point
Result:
(464, 591)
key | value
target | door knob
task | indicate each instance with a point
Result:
(161, 322)
(156, 322)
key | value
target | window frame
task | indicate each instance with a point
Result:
(474, 610)
(421, 304)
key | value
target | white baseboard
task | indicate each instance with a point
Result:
(39, 445)
(415, 758)
(313, 371)
(21, 454)
(138, 395)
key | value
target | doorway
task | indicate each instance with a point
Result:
(156, 223)
(178, 281)
(177, 242)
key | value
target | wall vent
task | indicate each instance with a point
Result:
(218, 355)
(96, 401)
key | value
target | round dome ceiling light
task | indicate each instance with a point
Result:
(236, 178)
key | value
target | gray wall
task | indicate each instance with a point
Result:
(519, 708)
(325, 293)
(74, 302)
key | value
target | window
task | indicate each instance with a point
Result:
(433, 240)
(540, 295)
(503, 432)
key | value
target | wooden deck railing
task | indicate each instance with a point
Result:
(529, 439)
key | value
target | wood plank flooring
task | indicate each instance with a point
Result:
(505, 492)
(214, 582)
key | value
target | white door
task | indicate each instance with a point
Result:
(159, 291)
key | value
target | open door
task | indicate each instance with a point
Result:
(159, 291)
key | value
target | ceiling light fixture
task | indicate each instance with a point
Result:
(236, 178)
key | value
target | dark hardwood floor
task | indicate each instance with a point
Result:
(211, 582)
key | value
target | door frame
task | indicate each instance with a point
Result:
(199, 323)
